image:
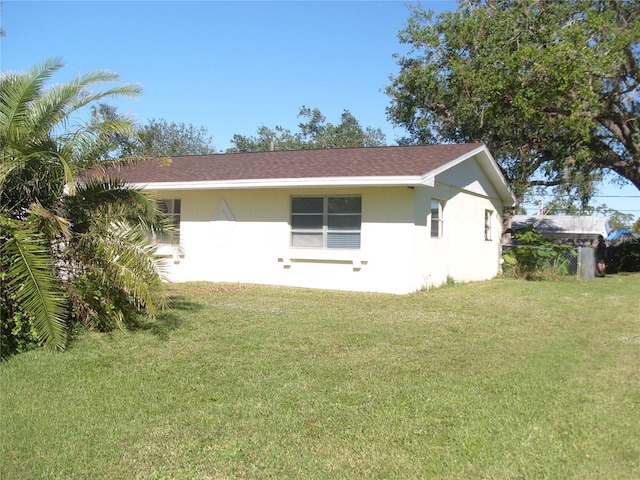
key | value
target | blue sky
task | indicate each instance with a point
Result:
(231, 66)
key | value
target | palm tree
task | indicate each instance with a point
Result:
(69, 250)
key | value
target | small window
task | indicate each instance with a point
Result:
(437, 207)
(326, 222)
(487, 224)
(171, 207)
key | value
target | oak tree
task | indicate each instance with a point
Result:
(551, 87)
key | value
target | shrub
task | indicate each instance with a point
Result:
(536, 257)
(624, 256)
(17, 333)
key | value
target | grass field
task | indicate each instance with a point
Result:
(505, 379)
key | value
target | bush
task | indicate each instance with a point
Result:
(17, 333)
(624, 256)
(535, 257)
(102, 307)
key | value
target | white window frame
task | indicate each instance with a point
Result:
(325, 237)
(436, 220)
(173, 209)
(488, 215)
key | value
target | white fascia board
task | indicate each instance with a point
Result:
(285, 182)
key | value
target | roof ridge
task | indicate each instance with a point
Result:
(325, 149)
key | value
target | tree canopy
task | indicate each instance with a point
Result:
(551, 87)
(159, 138)
(314, 132)
(156, 138)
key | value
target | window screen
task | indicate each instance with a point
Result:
(326, 222)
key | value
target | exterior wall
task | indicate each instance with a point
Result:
(462, 253)
(253, 246)
(244, 236)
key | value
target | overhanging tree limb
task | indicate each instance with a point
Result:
(557, 76)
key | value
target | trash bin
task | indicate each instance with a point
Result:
(586, 263)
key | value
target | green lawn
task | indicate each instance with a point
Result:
(504, 379)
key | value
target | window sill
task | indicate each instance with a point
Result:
(166, 250)
(343, 256)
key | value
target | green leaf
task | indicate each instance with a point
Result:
(32, 278)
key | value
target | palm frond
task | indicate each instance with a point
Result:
(32, 277)
(7, 166)
(124, 257)
(88, 144)
(18, 91)
(52, 225)
(97, 196)
(35, 177)
(28, 112)
(79, 88)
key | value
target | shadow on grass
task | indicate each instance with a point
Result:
(168, 319)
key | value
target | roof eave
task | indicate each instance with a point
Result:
(388, 181)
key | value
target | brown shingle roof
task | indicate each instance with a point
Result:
(344, 162)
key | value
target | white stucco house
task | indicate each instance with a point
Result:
(383, 219)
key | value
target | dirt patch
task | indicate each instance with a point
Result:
(220, 288)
